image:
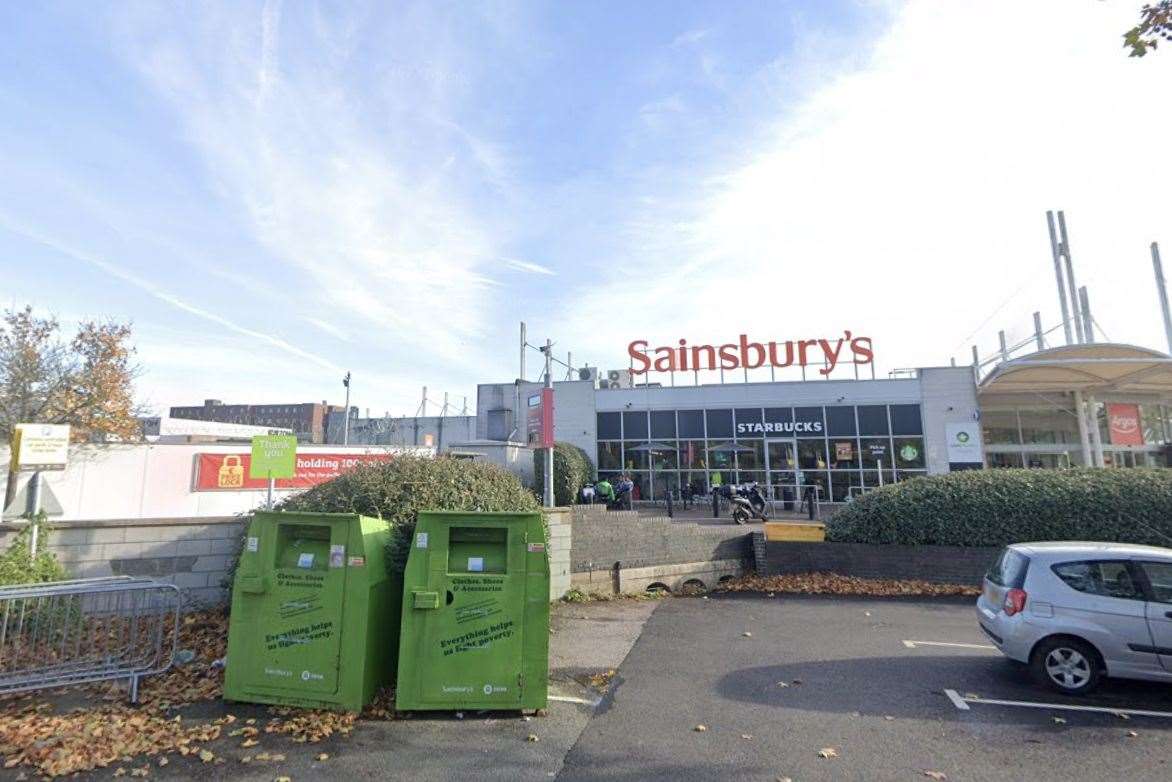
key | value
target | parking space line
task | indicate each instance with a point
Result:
(914, 644)
(962, 703)
(957, 701)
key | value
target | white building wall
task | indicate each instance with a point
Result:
(950, 396)
(131, 481)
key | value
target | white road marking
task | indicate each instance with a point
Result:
(957, 701)
(914, 644)
(962, 703)
(572, 699)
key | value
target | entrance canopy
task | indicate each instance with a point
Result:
(1094, 368)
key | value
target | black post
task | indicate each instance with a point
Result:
(669, 509)
(715, 504)
(810, 498)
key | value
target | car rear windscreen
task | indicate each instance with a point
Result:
(1009, 570)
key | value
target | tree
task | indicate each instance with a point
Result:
(86, 383)
(1155, 22)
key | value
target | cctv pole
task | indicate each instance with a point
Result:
(548, 499)
(346, 425)
(1058, 274)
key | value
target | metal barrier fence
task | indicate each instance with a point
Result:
(89, 630)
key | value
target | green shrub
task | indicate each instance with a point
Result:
(996, 507)
(397, 490)
(17, 566)
(572, 469)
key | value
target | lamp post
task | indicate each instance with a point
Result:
(346, 424)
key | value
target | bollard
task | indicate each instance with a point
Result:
(669, 508)
(715, 505)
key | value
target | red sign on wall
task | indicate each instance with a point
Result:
(1123, 424)
(539, 419)
(229, 471)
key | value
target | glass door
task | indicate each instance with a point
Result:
(781, 463)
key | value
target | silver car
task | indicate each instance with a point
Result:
(1075, 612)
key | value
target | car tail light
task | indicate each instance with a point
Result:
(1015, 600)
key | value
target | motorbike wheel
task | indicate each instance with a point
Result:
(740, 516)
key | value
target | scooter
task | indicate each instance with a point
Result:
(747, 503)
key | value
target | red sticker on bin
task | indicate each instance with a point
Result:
(357, 561)
(535, 547)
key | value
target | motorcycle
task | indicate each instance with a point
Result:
(747, 502)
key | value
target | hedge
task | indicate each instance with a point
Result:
(572, 469)
(397, 490)
(1001, 506)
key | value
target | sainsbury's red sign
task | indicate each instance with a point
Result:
(824, 353)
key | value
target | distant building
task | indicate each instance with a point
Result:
(165, 429)
(307, 420)
(439, 432)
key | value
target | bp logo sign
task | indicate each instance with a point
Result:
(909, 453)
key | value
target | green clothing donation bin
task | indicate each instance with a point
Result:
(475, 613)
(315, 617)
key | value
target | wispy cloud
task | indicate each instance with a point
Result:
(328, 328)
(527, 266)
(118, 273)
(689, 37)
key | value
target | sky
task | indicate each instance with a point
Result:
(277, 193)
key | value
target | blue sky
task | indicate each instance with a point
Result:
(276, 193)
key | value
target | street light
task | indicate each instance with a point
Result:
(346, 425)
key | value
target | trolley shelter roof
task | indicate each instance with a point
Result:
(1095, 368)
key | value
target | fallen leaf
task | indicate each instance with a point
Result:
(163, 761)
(700, 728)
(119, 772)
(747, 634)
(532, 737)
(1122, 716)
(934, 774)
(282, 779)
(323, 756)
(747, 736)
(206, 755)
(249, 743)
(888, 717)
(1131, 734)
(783, 684)
(1059, 720)
(828, 752)
(834, 584)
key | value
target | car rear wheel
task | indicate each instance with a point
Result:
(1068, 665)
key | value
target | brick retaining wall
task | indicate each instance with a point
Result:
(603, 537)
(938, 564)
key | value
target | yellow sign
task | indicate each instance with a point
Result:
(40, 446)
(231, 475)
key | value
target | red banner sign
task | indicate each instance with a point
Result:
(229, 471)
(1123, 424)
(539, 419)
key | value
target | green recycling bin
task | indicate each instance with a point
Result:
(315, 617)
(475, 613)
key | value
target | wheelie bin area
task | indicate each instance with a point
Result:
(318, 621)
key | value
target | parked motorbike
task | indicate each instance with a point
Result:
(746, 502)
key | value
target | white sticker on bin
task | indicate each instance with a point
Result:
(337, 555)
(475, 564)
(305, 560)
(421, 540)
(253, 543)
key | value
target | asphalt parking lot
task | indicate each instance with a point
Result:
(849, 676)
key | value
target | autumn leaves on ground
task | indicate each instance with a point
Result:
(133, 740)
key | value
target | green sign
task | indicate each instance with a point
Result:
(273, 456)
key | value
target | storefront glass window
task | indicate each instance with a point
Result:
(719, 459)
(999, 427)
(873, 420)
(779, 415)
(752, 476)
(751, 460)
(691, 423)
(1047, 461)
(635, 425)
(844, 453)
(781, 455)
(634, 459)
(909, 453)
(905, 419)
(1048, 426)
(665, 482)
(1152, 420)
(873, 450)
(812, 454)
(666, 459)
(720, 423)
(840, 421)
(610, 426)
(812, 416)
(610, 456)
(692, 455)
(841, 483)
(871, 477)
(1004, 459)
(641, 486)
(663, 424)
(747, 415)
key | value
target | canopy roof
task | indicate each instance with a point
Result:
(1094, 368)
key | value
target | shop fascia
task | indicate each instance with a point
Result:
(751, 355)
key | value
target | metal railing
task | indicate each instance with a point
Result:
(77, 632)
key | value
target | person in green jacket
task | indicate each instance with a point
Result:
(604, 491)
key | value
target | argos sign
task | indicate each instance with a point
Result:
(750, 355)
